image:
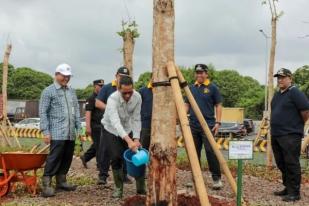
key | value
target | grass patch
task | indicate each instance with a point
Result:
(249, 167)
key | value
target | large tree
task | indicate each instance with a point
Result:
(163, 149)
(274, 19)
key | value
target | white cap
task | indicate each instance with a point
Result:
(64, 69)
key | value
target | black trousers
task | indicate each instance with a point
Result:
(117, 146)
(145, 138)
(199, 140)
(93, 150)
(287, 153)
(104, 158)
(60, 157)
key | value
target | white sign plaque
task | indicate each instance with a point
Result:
(241, 150)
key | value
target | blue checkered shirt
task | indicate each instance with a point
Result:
(59, 112)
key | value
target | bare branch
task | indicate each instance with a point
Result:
(271, 9)
(275, 9)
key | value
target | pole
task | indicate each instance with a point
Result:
(266, 68)
(207, 131)
(239, 182)
(189, 143)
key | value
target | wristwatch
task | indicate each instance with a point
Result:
(218, 123)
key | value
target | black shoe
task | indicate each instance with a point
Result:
(127, 180)
(102, 181)
(281, 193)
(84, 162)
(291, 198)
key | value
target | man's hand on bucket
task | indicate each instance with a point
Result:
(133, 145)
(138, 143)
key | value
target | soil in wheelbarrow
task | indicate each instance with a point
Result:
(182, 200)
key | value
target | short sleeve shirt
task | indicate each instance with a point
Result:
(206, 96)
(106, 91)
(96, 114)
(286, 110)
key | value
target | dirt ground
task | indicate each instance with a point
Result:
(256, 190)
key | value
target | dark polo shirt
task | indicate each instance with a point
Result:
(96, 114)
(286, 110)
(206, 95)
(146, 109)
(106, 91)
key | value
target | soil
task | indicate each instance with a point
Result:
(257, 191)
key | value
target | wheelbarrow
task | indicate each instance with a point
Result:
(16, 167)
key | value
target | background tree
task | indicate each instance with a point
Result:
(237, 90)
(274, 19)
(128, 33)
(301, 79)
(28, 83)
(83, 94)
(10, 85)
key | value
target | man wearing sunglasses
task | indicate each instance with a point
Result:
(60, 124)
(122, 127)
(100, 103)
(93, 124)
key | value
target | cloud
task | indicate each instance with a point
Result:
(83, 34)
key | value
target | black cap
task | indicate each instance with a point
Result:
(123, 71)
(283, 73)
(200, 68)
(98, 82)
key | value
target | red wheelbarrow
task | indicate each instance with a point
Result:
(16, 167)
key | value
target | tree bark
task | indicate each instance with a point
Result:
(163, 148)
(4, 81)
(128, 49)
(271, 81)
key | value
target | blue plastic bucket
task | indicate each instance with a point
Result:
(134, 171)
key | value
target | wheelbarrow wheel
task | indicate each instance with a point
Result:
(4, 189)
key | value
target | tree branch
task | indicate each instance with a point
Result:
(275, 9)
(271, 9)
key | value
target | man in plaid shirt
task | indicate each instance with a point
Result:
(60, 123)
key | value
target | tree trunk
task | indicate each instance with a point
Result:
(271, 82)
(163, 148)
(5, 79)
(128, 49)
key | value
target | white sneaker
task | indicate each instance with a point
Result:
(217, 185)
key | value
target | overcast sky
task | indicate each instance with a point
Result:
(82, 33)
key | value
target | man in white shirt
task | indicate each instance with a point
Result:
(122, 127)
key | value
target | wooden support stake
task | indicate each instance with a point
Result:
(305, 144)
(43, 149)
(208, 133)
(186, 131)
(258, 135)
(2, 131)
(14, 133)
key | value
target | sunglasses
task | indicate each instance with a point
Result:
(127, 93)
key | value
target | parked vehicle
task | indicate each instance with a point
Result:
(31, 123)
(233, 128)
(248, 123)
